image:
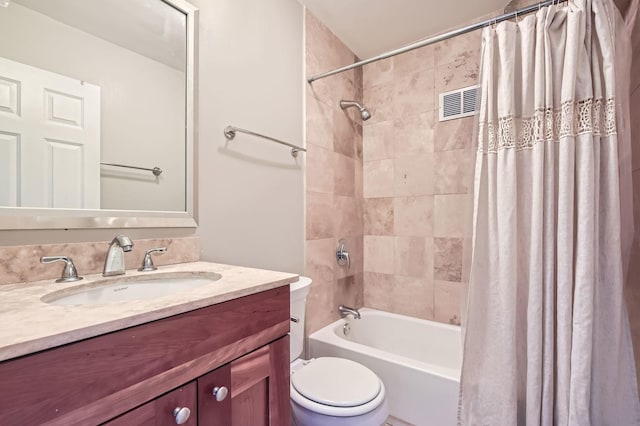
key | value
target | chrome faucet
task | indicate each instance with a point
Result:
(345, 310)
(114, 263)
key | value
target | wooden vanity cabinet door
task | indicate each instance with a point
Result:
(159, 412)
(260, 386)
(212, 412)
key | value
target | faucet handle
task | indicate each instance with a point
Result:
(69, 272)
(147, 262)
(342, 255)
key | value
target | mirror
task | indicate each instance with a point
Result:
(96, 113)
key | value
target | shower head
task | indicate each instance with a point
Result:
(364, 113)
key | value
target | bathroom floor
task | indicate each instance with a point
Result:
(392, 421)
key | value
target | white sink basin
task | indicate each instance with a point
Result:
(137, 287)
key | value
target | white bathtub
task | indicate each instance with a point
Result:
(418, 360)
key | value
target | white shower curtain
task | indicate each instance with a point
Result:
(547, 336)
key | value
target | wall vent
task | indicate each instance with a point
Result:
(459, 103)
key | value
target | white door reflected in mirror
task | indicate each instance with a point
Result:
(49, 139)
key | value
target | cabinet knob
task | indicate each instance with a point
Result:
(181, 414)
(220, 393)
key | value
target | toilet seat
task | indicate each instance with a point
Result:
(336, 387)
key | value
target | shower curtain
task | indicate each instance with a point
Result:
(547, 337)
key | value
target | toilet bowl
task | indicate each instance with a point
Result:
(330, 391)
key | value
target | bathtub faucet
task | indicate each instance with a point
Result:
(345, 310)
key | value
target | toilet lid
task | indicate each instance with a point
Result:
(336, 382)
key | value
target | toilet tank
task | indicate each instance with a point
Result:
(298, 299)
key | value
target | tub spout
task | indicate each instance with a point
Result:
(345, 310)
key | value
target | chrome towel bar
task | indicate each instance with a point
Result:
(157, 171)
(230, 133)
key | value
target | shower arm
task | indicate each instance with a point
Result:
(349, 104)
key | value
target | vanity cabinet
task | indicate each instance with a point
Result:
(140, 375)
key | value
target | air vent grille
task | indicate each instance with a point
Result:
(451, 104)
(469, 100)
(458, 103)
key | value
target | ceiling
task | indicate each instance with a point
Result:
(372, 27)
(150, 28)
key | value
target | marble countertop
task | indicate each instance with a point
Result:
(27, 324)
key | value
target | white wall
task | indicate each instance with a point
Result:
(141, 105)
(251, 209)
(251, 190)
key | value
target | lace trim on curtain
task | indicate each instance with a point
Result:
(573, 118)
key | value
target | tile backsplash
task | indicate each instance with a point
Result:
(22, 263)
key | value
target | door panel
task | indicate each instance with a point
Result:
(251, 407)
(64, 174)
(9, 169)
(9, 96)
(62, 108)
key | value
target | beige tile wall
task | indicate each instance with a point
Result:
(416, 178)
(334, 178)
(394, 186)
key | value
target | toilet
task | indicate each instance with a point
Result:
(330, 391)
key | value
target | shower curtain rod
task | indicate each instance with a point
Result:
(438, 38)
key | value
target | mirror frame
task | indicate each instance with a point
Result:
(12, 218)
